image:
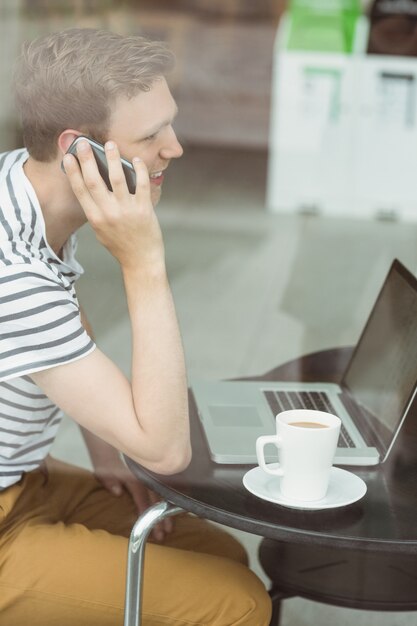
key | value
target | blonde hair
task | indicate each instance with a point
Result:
(71, 78)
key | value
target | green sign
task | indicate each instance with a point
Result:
(323, 25)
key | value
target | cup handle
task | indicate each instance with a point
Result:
(260, 445)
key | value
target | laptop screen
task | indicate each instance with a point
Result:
(382, 374)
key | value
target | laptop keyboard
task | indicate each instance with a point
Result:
(317, 400)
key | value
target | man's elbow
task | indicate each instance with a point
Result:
(175, 462)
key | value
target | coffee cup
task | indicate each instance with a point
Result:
(306, 442)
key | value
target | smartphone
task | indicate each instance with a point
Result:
(100, 157)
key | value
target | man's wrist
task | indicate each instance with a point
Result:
(140, 276)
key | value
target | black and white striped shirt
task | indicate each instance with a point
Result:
(40, 324)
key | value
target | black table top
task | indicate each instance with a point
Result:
(384, 520)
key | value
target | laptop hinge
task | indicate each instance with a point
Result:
(366, 423)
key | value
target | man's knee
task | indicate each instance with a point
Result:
(261, 609)
(203, 588)
(244, 601)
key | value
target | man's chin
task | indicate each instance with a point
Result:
(155, 195)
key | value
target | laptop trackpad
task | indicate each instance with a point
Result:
(225, 416)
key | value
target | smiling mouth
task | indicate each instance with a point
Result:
(157, 177)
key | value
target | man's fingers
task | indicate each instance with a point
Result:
(143, 183)
(116, 174)
(143, 501)
(92, 178)
(75, 177)
(111, 484)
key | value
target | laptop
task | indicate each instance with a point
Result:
(373, 399)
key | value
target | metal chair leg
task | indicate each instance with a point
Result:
(137, 542)
(277, 596)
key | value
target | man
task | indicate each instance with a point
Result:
(63, 535)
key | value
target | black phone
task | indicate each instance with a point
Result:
(100, 157)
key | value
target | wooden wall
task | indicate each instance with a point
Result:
(223, 50)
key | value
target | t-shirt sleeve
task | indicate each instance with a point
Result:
(40, 323)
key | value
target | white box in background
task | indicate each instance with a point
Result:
(385, 164)
(343, 132)
(311, 130)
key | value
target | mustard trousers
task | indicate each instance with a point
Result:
(63, 557)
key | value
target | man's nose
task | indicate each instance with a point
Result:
(172, 149)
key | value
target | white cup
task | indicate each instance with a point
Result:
(306, 452)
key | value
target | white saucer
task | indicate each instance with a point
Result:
(344, 488)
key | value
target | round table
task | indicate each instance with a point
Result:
(363, 555)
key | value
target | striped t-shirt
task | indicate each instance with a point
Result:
(40, 324)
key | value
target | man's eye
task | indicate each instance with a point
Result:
(150, 137)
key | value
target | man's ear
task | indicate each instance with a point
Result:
(66, 138)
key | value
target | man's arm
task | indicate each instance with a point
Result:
(146, 418)
(113, 474)
(103, 456)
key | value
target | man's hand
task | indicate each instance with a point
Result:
(117, 479)
(111, 472)
(124, 223)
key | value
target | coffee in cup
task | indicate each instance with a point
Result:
(308, 424)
